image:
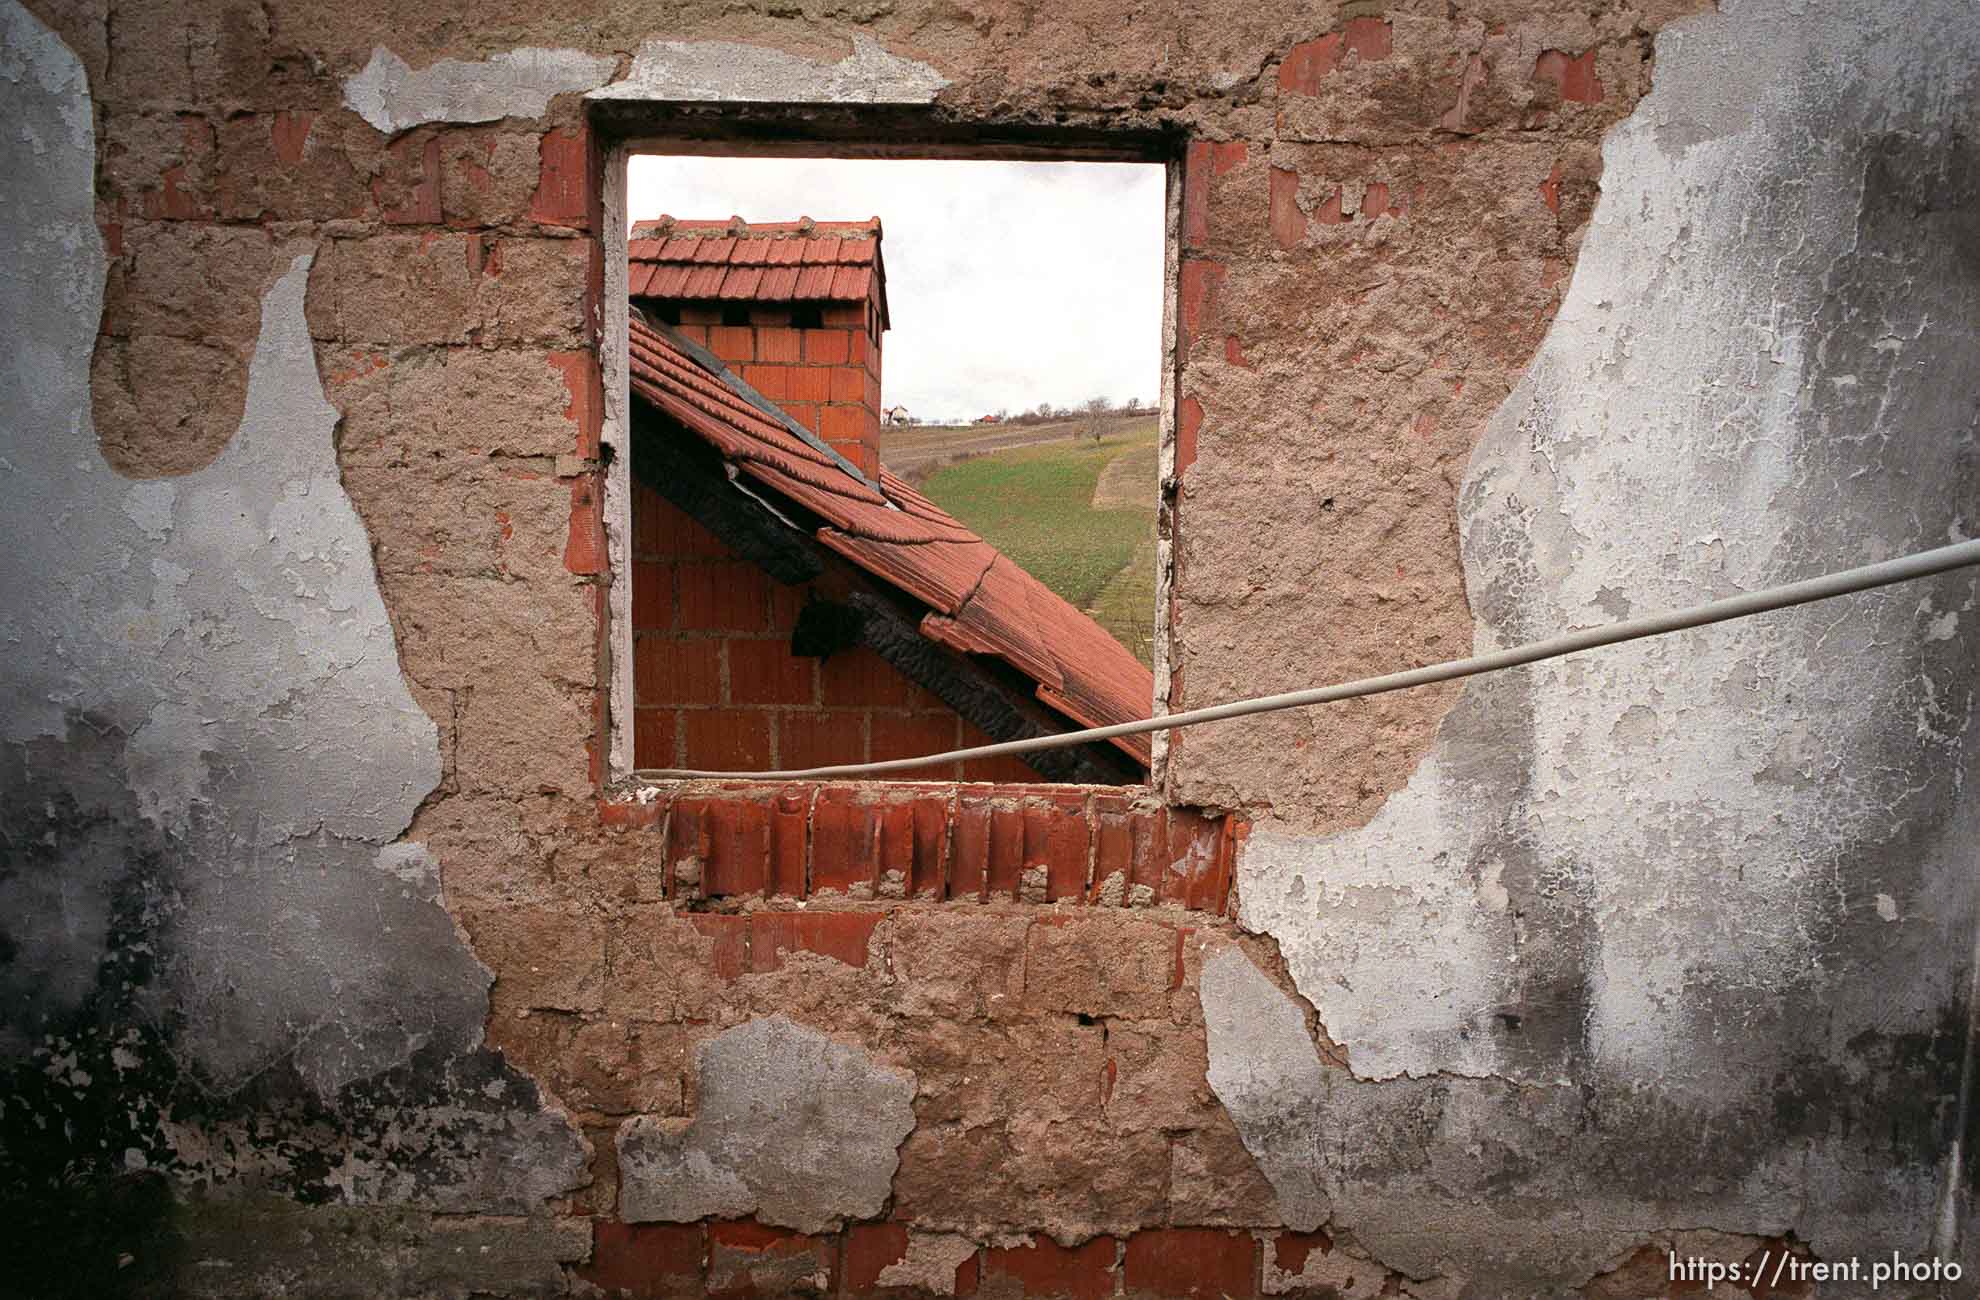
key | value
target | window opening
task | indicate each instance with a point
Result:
(826, 569)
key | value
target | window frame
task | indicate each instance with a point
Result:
(625, 128)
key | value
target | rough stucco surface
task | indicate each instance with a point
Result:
(1668, 949)
(209, 756)
(1704, 904)
(793, 1127)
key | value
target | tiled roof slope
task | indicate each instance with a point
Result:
(783, 261)
(978, 601)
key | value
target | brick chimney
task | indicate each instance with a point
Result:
(795, 308)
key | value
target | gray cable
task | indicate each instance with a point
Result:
(1883, 574)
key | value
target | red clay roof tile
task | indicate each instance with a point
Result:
(979, 602)
(741, 281)
(820, 248)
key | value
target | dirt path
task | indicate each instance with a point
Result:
(1128, 481)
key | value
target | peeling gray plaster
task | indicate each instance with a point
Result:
(392, 96)
(1681, 932)
(1265, 1071)
(222, 967)
(728, 71)
(792, 1126)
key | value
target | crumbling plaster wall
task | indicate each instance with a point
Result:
(224, 966)
(1382, 206)
(1703, 908)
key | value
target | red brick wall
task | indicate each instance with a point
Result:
(728, 1256)
(715, 684)
(934, 842)
(827, 379)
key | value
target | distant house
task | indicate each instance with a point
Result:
(794, 603)
(989, 419)
(896, 415)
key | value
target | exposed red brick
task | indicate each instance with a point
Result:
(805, 413)
(789, 819)
(848, 385)
(862, 679)
(748, 1234)
(842, 936)
(1287, 221)
(770, 381)
(928, 877)
(844, 842)
(728, 740)
(1056, 838)
(1227, 155)
(969, 856)
(1203, 1262)
(584, 551)
(1301, 71)
(636, 1259)
(289, 132)
(667, 671)
(1005, 769)
(818, 739)
(1189, 421)
(1192, 845)
(1330, 212)
(565, 189)
(830, 347)
(587, 390)
(630, 814)
(778, 343)
(896, 843)
(1045, 1268)
(730, 957)
(1234, 352)
(1197, 297)
(808, 383)
(1550, 189)
(652, 595)
(1209, 891)
(1369, 37)
(843, 423)
(653, 737)
(1196, 194)
(1572, 74)
(1311, 62)
(912, 736)
(1375, 200)
(739, 848)
(766, 672)
(1113, 847)
(730, 596)
(662, 532)
(1005, 873)
(870, 1248)
(732, 343)
(1290, 1250)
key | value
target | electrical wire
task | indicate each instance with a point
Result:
(1908, 568)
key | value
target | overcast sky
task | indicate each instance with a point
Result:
(1008, 284)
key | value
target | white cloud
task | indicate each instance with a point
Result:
(1009, 283)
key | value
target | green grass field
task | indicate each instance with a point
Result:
(1036, 504)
